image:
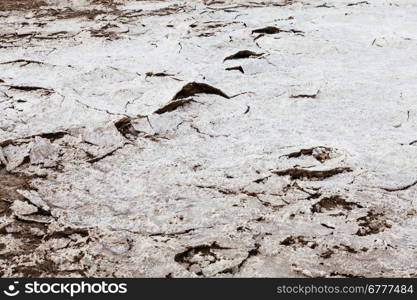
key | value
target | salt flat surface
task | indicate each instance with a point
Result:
(208, 138)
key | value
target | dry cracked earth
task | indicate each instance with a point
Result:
(208, 138)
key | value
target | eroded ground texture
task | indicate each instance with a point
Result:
(208, 138)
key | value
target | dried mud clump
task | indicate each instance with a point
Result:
(237, 68)
(187, 91)
(329, 203)
(193, 88)
(275, 30)
(299, 241)
(372, 223)
(243, 54)
(193, 256)
(358, 3)
(304, 174)
(125, 127)
(320, 153)
(327, 254)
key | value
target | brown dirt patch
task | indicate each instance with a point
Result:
(9, 184)
(6, 5)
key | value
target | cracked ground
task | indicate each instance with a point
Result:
(208, 138)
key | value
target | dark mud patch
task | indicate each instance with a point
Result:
(194, 88)
(327, 254)
(319, 153)
(275, 30)
(299, 241)
(190, 257)
(173, 105)
(237, 68)
(204, 250)
(7, 5)
(305, 174)
(330, 203)
(9, 184)
(125, 127)
(183, 96)
(69, 13)
(243, 54)
(372, 223)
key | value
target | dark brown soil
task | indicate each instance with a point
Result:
(6, 5)
(329, 203)
(9, 184)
